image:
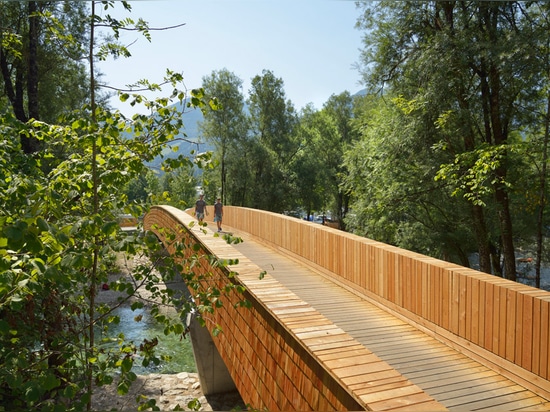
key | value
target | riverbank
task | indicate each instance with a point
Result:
(170, 391)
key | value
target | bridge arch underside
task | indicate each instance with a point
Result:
(280, 352)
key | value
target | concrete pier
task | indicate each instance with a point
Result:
(213, 374)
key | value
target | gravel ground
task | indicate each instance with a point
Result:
(171, 392)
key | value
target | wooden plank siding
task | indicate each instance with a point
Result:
(502, 322)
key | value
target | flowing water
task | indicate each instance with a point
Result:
(525, 268)
(180, 351)
(526, 275)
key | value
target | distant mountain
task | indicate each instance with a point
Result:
(362, 92)
(191, 119)
(193, 141)
(189, 140)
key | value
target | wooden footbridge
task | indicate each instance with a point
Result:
(342, 322)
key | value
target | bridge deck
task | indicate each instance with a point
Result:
(451, 378)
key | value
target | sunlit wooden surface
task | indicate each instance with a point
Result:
(453, 379)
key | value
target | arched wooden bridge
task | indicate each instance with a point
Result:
(342, 322)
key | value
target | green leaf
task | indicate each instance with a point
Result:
(42, 224)
(127, 364)
(178, 329)
(21, 284)
(4, 327)
(32, 393)
(70, 391)
(15, 232)
(109, 228)
(50, 382)
(123, 387)
(39, 266)
(194, 405)
(216, 331)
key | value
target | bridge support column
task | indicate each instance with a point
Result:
(213, 374)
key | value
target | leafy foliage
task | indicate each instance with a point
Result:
(273, 144)
(59, 241)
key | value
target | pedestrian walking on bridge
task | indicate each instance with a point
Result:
(200, 209)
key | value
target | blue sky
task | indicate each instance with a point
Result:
(311, 44)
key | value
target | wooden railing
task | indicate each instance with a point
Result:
(501, 323)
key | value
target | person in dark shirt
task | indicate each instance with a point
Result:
(200, 208)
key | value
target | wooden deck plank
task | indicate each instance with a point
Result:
(426, 362)
(534, 405)
(447, 376)
(415, 349)
(381, 384)
(408, 403)
(453, 373)
(389, 394)
(468, 387)
(506, 399)
(351, 361)
(341, 353)
(421, 407)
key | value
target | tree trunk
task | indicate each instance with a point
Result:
(480, 229)
(32, 78)
(495, 260)
(16, 91)
(223, 175)
(501, 193)
(10, 88)
(506, 233)
(542, 194)
(495, 129)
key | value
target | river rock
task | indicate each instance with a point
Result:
(171, 392)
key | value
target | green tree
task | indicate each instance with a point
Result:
(340, 110)
(538, 135)
(308, 166)
(37, 64)
(226, 127)
(181, 184)
(273, 146)
(471, 66)
(137, 189)
(394, 196)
